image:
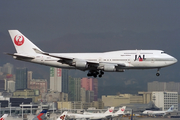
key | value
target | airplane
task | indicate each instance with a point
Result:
(41, 115)
(4, 117)
(150, 112)
(119, 112)
(92, 116)
(95, 63)
(62, 116)
(109, 111)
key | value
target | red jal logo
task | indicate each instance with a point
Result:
(2, 119)
(110, 110)
(62, 117)
(18, 40)
(122, 109)
(140, 58)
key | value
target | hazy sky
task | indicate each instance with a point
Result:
(51, 19)
(156, 24)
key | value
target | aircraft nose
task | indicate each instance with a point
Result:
(175, 60)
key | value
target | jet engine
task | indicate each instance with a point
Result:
(81, 64)
(109, 68)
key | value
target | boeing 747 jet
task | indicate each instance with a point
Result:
(95, 63)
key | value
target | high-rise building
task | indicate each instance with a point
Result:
(10, 86)
(8, 68)
(65, 80)
(74, 89)
(21, 78)
(90, 84)
(38, 84)
(89, 96)
(164, 86)
(29, 78)
(58, 79)
(165, 100)
(2, 85)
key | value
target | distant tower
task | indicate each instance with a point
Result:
(74, 91)
(90, 84)
(65, 80)
(10, 86)
(29, 78)
(21, 78)
(8, 68)
(58, 79)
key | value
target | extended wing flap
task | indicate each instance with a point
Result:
(57, 56)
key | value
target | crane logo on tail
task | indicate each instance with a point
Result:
(62, 117)
(110, 110)
(18, 40)
(2, 119)
(122, 109)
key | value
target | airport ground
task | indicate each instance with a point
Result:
(55, 116)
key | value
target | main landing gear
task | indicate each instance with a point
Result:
(95, 73)
(158, 74)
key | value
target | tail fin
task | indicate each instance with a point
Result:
(21, 43)
(41, 115)
(4, 117)
(121, 110)
(62, 116)
(171, 108)
(110, 110)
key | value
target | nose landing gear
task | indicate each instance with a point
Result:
(158, 74)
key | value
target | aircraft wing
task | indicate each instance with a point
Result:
(70, 60)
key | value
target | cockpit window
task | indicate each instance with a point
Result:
(163, 52)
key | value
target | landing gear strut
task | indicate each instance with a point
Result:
(158, 74)
(95, 73)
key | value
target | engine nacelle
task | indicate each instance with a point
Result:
(81, 64)
(109, 68)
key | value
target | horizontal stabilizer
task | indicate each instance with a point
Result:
(19, 56)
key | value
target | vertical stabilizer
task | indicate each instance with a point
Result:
(171, 108)
(4, 117)
(121, 110)
(110, 110)
(62, 116)
(21, 43)
(41, 115)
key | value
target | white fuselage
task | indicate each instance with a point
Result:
(92, 116)
(150, 112)
(132, 59)
(95, 63)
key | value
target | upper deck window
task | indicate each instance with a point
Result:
(163, 52)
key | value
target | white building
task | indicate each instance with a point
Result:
(10, 86)
(165, 100)
(8, 68)
(164, 86)
(55, 79)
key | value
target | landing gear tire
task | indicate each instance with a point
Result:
(157, 74)
(100, 75)
(95, 75)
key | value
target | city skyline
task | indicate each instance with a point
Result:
(95, 26)
(107, 90)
